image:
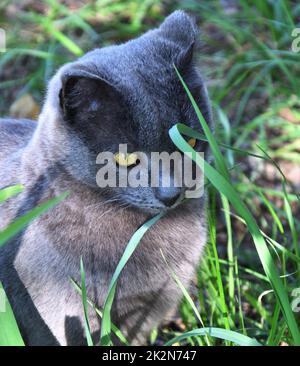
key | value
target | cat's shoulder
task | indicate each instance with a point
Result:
(16, 127)
(14, 133)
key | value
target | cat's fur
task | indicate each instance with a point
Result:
(122, 94)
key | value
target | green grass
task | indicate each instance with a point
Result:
(10, 334)
(9, 331)
(220, 179)
(251, 264)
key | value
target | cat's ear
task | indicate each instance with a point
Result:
(181, 29)
(83, 93)
(185, 57)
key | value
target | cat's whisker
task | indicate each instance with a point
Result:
(100, 203)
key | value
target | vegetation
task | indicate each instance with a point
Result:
(252, 264)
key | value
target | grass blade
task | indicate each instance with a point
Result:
(220, 162)
(185, 294)
(225, 187)
(84, 303)
(64, 40)
(114, 329)
(228, 335)
(8, 192)
(9, 331)
(21, 222)
(131, 246)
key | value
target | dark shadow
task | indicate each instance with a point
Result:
(74, 331)
(135, 318)
(33, 328)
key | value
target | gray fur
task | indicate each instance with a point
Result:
(58, 155)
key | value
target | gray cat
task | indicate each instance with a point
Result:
(127, 94)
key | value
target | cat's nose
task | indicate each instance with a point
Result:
(168, 195)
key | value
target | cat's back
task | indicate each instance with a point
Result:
(14, 134)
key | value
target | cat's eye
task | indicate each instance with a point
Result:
(126, 159)
(192, 142)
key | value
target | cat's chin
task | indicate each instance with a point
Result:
(153, 210)
(148, 210)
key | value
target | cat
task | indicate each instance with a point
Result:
(129, 94)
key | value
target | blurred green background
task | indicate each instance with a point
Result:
(252, 75)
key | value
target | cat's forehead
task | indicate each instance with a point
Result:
(143, 72)
(143, 67)
(145, 76)
(139, 60)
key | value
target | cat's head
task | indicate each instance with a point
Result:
(128, 94)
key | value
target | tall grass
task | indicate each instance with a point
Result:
(253, 75)
(219, 178)
(9, 331)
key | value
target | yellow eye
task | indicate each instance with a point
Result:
(192, 142)
(125, 159)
